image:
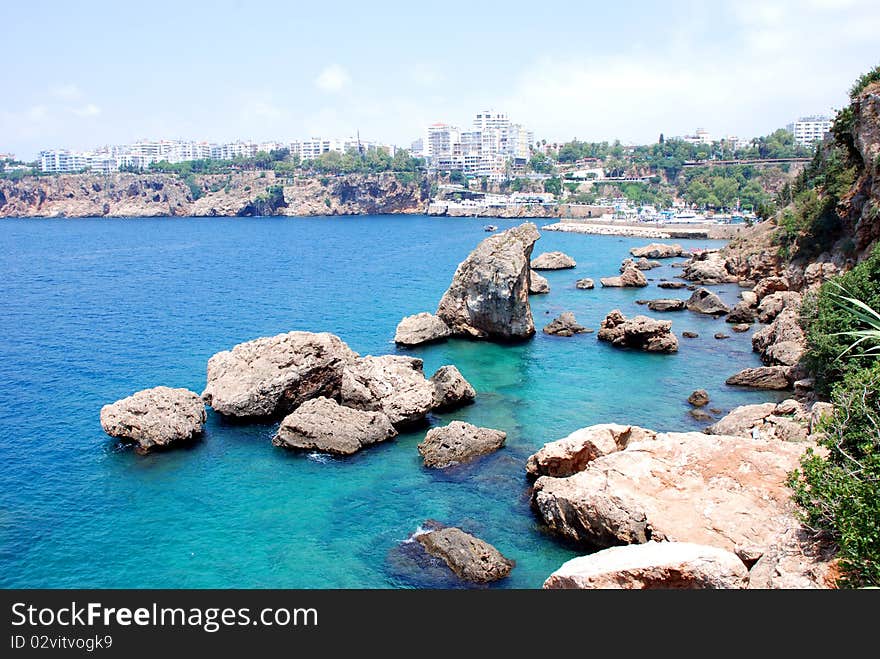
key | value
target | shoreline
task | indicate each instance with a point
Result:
(636, 230)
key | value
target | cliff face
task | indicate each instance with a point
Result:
(238, 194)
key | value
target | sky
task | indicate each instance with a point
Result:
(79, 75)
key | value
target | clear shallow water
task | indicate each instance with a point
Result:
(93, 310)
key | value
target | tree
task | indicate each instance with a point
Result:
(553, 186)
(457, 176)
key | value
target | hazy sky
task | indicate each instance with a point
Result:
(81, 74)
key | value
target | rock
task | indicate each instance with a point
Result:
(763, 377)
(664, 565)
(585, 284)
(782, 342)
(638, 332)
(573, 453)
(538, 285)
(642, 302)
(489, 294)
(804, 385)
(553, 261)
(666, 304)
(815, 274)
(700, 415)
(458, 442)
(421, 328)
(699, 398)
(690, 335)
(707, 268)
(770, 285)
(704, 301)
(322, 424)
(675, 285)
(564, 325)
(451, 390)
(156, 418)
(274, 375)
(784, 353)
(640, 264)
(786, 421)
(819, 412)
(691, 487)
(657, 251)
(742, 420)
(469, 557)
(721, 335)
(741, 313)
(772, 305)
(742, 327)
(749, 298)
(632, 277)
(391, 384)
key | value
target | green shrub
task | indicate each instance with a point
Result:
(824, 320)
(840, 494)
(863, 81)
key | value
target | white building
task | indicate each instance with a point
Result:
(809, 130)
(62, 161)
(702, 136)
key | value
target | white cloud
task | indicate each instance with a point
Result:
(333, 79)
(87, 110)
(261, 110)
(37, 113)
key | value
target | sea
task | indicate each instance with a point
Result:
(92, 310)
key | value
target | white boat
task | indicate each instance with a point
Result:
(689, 217)
(490, 227)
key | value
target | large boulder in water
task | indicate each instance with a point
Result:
(573, 453)
(451, 390)
(666, 304)
(155, 418)
(631, 277)
(421, 328)
(564, 325)
(322, 424)
(273, 375)
(538, 285)
(391, 384)
(638, 332)
(553, 261)
(657, 251)
(467, 556)
(704, 301)
(763, 377)
(489, 294)
(664, 565)
(457, 443)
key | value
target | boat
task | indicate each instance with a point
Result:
(490, 227)
(688, 216)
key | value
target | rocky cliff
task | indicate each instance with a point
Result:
(238, 194)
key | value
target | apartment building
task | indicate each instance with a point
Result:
(809, 130)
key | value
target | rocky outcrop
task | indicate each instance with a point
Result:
(632, 277)
(564, 325)
(763, 377)
(666, 304)
(704, 301)
(391, 384)
(322, 424)
(673, 285)
(553, 261)
(742, 312)
(538, 285)
(421, 328)
(772, 305)
(769, 285)
(787, 421)
(699, 398)
(451, 390)
(585, 284)
(783, 341)
(665, 565)
(639, 332)
(457, 443)
(272, 376)
(639, 264)
(708, 267)
(488, 297)
(657, 251)
(573, 453)
(155, 419)
(467, 556)
(727, 492)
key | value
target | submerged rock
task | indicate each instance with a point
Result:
(666, 304)
(704, 301)
(391, 384)
(638, 332)
(763, 377)
(457, 443)
(665, 565)
(553, 261)
(699, 398)
(274, 375)
(322, 424)
(690, 335)
(674, 285)
(573, 453)
(489, 294)
(564, 325)
(538, 285)
(742, 327)
(585, 284)
(156, 418)
(421, 328)
(451, 390)
(467, 556)
(657, 251)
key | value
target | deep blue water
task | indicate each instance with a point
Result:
(93, 310)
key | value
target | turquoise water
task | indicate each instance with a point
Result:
(92, 310)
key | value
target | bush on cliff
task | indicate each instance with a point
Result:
(824, 320)
(840, 494)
